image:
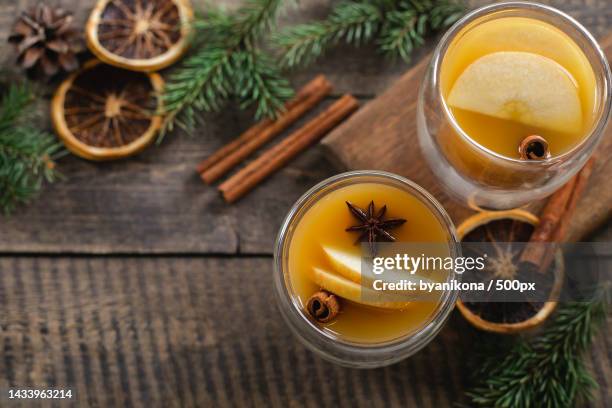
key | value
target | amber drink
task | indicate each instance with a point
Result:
(319, 251)
(514, 102)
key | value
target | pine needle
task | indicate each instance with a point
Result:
(227, 63)
(397, 27)
(547, 371)
(26, 153)
(202, 83)
(353, 23)
(260, 83)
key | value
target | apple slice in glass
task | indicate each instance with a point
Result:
(520, 86)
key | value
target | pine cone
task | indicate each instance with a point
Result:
(45, 41)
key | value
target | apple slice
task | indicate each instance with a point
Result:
(349, 266)
(345, 263)
(520, 86)
(347, 289)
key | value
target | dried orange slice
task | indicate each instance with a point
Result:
(102, 112)
(505, 227)
(139, 35)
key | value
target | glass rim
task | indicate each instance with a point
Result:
(411, 341)
(596, 132)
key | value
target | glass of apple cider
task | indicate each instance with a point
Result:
(502, 77)
(318, 258)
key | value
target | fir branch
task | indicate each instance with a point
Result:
(15, 102)
(547, 371)
(203, 83)
(255, 17)
(211, 26)
(412, 21)
(403, 31)
(26, 153)
(397, 26)
(259, 82)
(354, 23)
(229, 63)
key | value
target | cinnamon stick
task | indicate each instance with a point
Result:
(582, 179)
(273, 159)
(555, 220)
(553, 212)
(220, 154)
(229, 156)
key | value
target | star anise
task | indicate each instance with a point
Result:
(373, 227)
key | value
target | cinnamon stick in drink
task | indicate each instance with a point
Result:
(276, 157)
(229, 156)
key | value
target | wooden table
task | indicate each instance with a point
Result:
(133, 283)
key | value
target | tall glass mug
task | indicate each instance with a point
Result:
(501, 74)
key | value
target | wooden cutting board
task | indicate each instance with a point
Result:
(383, 136)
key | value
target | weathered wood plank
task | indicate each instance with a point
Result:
(199, 331)
(156, 203)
